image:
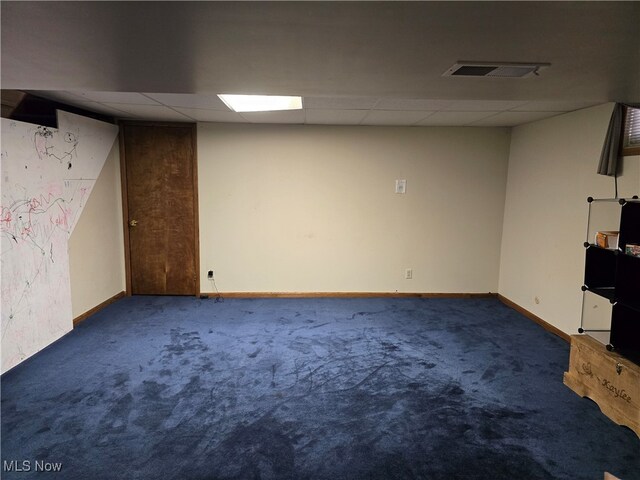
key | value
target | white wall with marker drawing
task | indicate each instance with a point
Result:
(47, 177)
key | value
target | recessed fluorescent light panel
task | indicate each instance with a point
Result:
(261, 103)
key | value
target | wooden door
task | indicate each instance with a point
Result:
(161, 208)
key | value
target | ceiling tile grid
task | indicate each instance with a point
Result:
(319, 110)
(205, 115)
(460, 119)
(394, 117)
(334, 117)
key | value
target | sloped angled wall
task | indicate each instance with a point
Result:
(47, 177)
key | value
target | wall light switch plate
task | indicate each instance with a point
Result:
(401, 186)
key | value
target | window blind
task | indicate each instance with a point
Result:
(632, 128)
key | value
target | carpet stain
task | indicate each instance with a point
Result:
(183, 343)
(262, 449)
(490, 373)
(115, 421)
(254, 354)
(428, 365)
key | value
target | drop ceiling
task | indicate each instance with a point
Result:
(354, 63)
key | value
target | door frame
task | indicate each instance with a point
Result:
(125, 196)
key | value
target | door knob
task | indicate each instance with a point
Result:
(133, 223)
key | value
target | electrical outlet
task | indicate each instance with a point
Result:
(408, 273)
(401, 186)
(210, 274)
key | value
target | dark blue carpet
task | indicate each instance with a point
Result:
(181, 388)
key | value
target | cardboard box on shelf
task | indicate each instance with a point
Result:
(608, 239)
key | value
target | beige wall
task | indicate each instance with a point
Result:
(313, 208)
(552, 171)
(96, 246)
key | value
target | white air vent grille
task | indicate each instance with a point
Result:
(494, 69)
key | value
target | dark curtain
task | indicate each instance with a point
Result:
(609, 158)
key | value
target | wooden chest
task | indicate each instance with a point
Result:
(612, 381)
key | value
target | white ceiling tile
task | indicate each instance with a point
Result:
(454, 118)
(150, 112)
(204, 115)
(58, 96)
(101, 108)
(188, 100)
(412, 104)
(284, 116)
(339, 103)
(334, 117)
(73, 100)
(131, 98)
(483, 105)
(394, 117)
(553, 106)
(511, 119)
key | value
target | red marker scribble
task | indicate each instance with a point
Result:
(5, 217)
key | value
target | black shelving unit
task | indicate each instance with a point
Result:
(614, 275)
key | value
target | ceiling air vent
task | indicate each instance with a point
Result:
(495, 69)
